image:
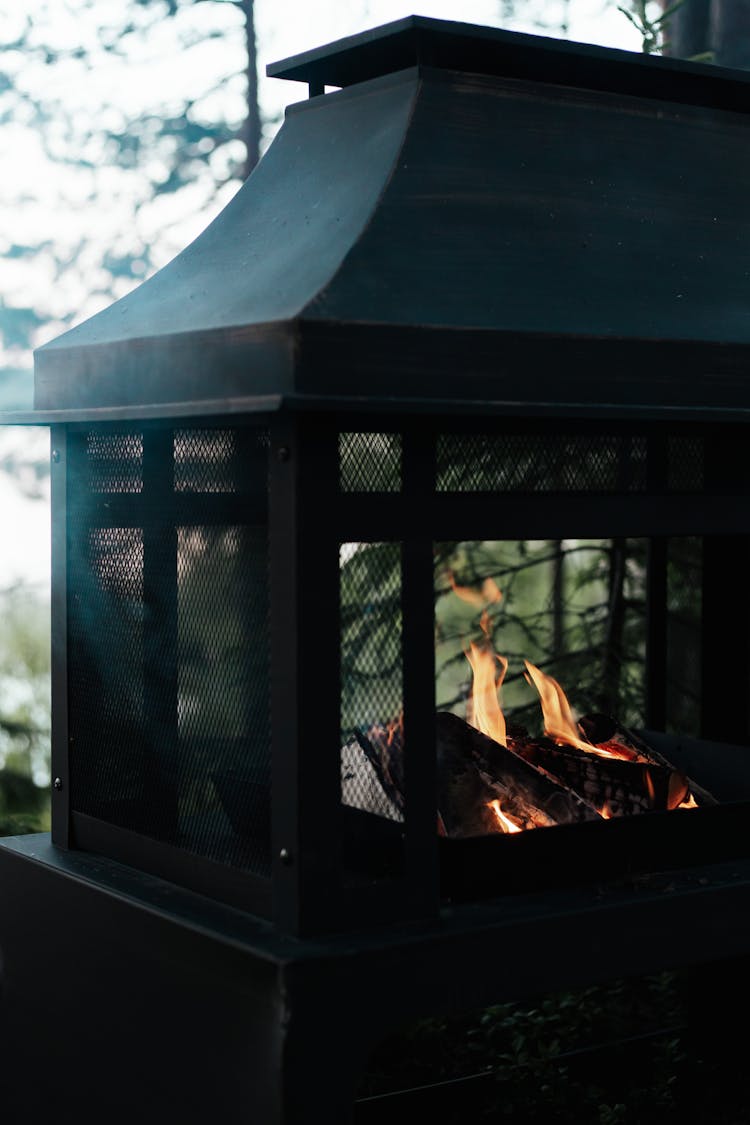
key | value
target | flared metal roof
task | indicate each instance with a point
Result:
(476, 216)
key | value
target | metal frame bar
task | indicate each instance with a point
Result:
(305, 723)
(60, 765)
(231, 885)
(418, 599)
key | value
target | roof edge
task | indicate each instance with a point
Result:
(422, 41)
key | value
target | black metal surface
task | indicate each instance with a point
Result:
(155, 984)
(305, 655)
(419, 681)
(217, 880)
(443, 288)
(420, 41)
(59, 764)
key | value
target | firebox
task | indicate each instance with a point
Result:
(400, 538)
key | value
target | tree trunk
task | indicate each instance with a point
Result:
(251, 132)
(730, 33)
(558, 598)
(613, 641)
(687, 31)
(719, 26)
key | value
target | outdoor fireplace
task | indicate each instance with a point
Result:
(476, 396)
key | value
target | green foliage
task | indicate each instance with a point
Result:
(601, 1055)
(650, 26)
(142, 101)
(24, 712)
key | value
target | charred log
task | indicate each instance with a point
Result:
(474, 770)
(607, 733)
(614, 786)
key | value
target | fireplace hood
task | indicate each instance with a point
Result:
(473, 216)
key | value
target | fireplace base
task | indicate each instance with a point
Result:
(169, 1006)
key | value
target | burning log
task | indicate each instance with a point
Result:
(474, 771)
(614, 786)
(607, 733)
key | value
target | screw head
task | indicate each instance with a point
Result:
(57, 783)
(283, 453)
(285, 856)
(56, 456)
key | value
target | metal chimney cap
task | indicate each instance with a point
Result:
(445, 44)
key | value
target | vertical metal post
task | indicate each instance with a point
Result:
(60, 797)
(725, 626)
(305, 723)
(161, 639)
(725, 620)
(657, 478)
(418, 594)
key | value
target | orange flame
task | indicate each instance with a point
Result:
(487, 715)
(504, 821)
(488, 594)
(559, 724)
(393, 728)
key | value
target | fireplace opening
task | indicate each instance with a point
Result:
(574, 679)
(514, 621)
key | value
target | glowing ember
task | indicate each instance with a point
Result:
(504, 821)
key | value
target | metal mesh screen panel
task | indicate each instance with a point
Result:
(370, 462)
(372, 678)
(115, 462)
(168, 639)
(540, 463)
(686, 463)
(222, 693)
(204, 461)
(106, 674)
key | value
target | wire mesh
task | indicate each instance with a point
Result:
(372, 678)
(686, 469)
(541, 463)
(204, 461)
(370, 462)
(222, 692)
(169, 643)
(106, 672)
(114, 461)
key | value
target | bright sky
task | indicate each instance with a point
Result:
(97, 201)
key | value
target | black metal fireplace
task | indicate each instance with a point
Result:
(490, 293)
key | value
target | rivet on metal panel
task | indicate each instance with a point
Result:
(56, 456)
(57, 783)
(285, 856)
(283, 453)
